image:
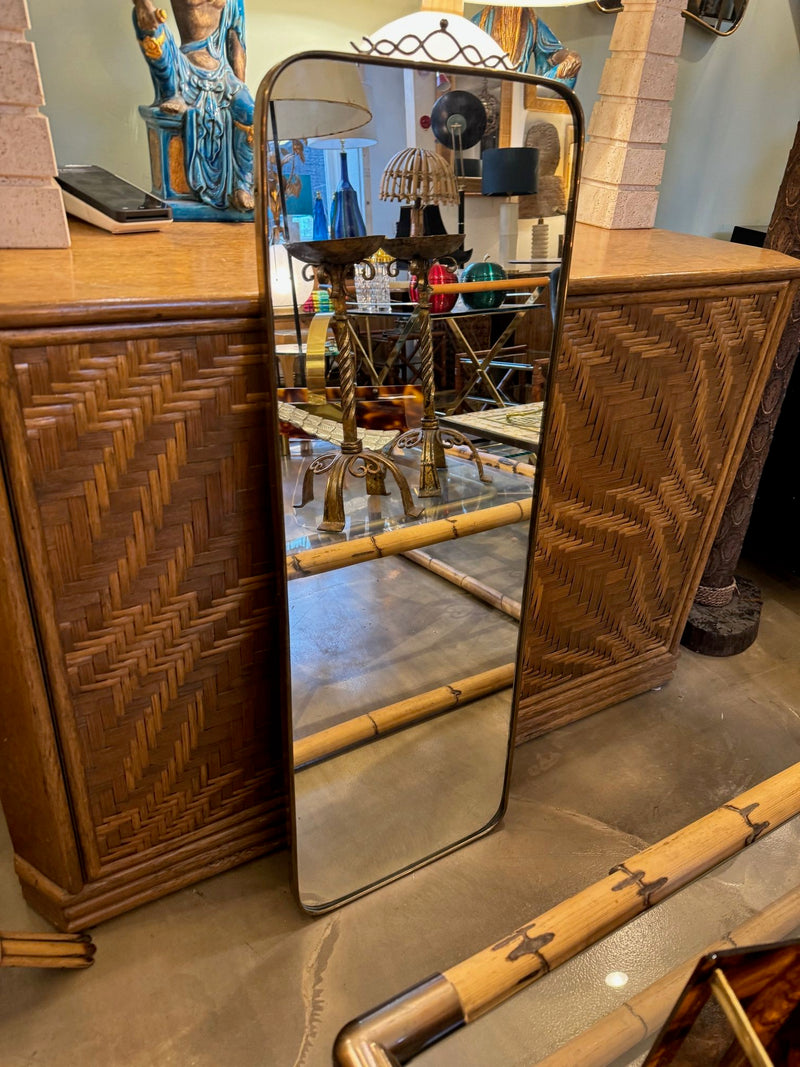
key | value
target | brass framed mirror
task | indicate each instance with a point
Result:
(411, 336)
(721, 17)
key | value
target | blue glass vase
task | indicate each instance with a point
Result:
(320, 220)
(346, 217)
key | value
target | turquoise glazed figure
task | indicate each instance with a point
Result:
(200, 126)
(531, 45)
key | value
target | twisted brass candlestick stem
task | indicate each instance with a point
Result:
(422, 252)
(335, 260)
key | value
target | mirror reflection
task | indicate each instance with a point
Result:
(413, 225)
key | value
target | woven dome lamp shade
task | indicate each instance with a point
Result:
(418, 176)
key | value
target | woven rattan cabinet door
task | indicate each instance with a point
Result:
(653, 400)
(146, 486)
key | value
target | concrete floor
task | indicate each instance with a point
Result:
(230, 972)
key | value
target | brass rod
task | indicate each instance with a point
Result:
(737, 1017)
(325, 744)
(346, 553)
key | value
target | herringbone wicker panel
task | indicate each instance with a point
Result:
(148, 459)
(632, 468)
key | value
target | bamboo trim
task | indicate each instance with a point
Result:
(488, 459)
(494, 974)
(493, 597)
(346, 553)
(645, 1013)
(46, 950)
(490, 285)
(743, 1029)
(340, 738)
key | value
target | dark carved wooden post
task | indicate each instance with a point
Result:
(725, 614)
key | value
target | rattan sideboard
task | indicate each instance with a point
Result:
(141, 631)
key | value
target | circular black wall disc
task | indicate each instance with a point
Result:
(454, 110)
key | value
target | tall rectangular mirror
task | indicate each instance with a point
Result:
(414, 229)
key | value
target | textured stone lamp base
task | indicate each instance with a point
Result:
(31, 208)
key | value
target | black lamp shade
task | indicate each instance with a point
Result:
(510, 171)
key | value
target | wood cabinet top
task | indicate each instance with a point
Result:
(194, 270)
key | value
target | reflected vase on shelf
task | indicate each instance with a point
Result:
(320, 220)
(346, 217)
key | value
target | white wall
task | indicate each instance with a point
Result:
(734, 117)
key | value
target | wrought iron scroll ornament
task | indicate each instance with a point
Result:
(413, 45)
(717, 16)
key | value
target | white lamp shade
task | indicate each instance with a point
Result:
(530, 3)
(318, 98)
(476, 46)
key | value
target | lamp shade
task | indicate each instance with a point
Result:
(509, 171)
(419, 175)
(530, 3)
(437, 37)
(318, 98)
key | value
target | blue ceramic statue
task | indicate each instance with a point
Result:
(531, 45)
(200, 126)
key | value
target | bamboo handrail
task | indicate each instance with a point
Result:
(493, 597)
(488, 459)
(346, 553)
(464, 992)
(489, 286)
(69, 951)
(644, 1014)
(340, 738)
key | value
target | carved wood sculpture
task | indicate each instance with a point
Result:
(725, 615)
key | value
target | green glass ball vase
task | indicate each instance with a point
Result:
(485, 271)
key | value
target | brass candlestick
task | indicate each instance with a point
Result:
(335, 261)
(422, 252)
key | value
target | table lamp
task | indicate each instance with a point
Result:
(417, 176)
(509, 172)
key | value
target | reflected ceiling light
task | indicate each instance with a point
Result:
(616, 979)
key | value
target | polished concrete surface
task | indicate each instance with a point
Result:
(231, 972)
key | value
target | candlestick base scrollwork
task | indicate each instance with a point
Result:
(335, 261)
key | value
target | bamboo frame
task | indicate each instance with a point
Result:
(488, 459)
(68, 951)
(346, 553)
(493, 597)
(645, 1013)
(464, 992)
(490, 286)
(325, 744)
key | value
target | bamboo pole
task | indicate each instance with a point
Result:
(346, 553)
(488, 286)
(643, 1015)
(46, 950)
(494, 974)
(463, 993)
(493, 597)
(488, 459)
(337, 739)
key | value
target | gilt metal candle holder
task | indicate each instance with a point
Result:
(422, 252)
(335, 261)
